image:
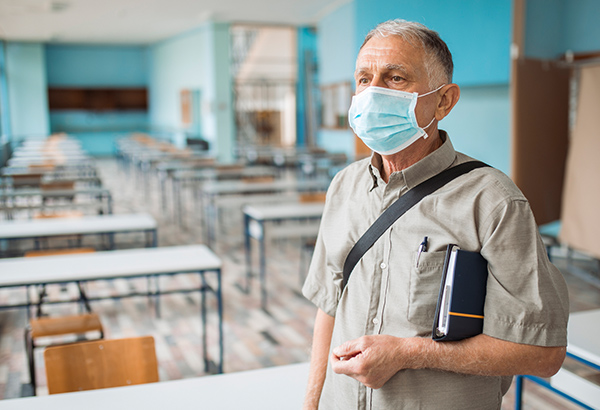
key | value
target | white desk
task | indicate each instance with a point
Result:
(275, 388)
(240, 190)
(8, 198)
(201, 176)
(42, 160)
(86, 225)
(583, 346)
(255, 217)
(130, 263)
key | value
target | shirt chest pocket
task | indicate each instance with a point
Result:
(424, 288)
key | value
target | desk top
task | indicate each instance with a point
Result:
(72, 226)
(107, 265)
(264, 212)
(212, 173)
(273, 388)
(584, 335)
(238, 187)
(19, 192)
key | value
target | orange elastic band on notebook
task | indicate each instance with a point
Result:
(466, 315)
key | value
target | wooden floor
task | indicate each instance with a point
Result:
(254, 338)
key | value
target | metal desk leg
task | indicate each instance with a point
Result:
(153, 241)
(203, 289)
(263, 268)
(109, 204)
(248, 249)
(156, 294)
(163, 197)
(177, 208)
(211, 216)
(220, 310)
(518, 392)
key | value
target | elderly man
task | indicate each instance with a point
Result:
(372, 345)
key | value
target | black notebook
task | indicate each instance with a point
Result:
(459, 311)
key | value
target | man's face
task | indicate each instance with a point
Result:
(391, 62)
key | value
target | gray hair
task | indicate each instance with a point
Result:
(438, 59)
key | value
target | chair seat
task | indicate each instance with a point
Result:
(55, 326)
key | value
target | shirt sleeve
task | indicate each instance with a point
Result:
(320, 286)
(527, 298)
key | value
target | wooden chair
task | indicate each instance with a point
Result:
(46, 327)
(101, 364)
(39, 326)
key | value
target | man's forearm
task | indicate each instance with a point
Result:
(488, 356)
(318, 360)
(372, 360)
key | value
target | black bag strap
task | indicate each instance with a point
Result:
(398, 208)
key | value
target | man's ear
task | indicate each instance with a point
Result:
(450, 94)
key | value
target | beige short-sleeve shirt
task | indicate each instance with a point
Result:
(388, 293)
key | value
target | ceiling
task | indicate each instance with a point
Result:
(143, 21)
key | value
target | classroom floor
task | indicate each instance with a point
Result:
(254, 338)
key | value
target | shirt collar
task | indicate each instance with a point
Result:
(434, 163)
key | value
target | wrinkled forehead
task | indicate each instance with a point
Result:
(390, 52)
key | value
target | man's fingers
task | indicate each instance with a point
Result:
(343, 365)
(346, 350)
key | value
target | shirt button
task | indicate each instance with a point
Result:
(375, 321)
(383, 265)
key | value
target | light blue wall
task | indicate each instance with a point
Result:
(27, 89)
(307, 59)
(197, 60)
(220, 125)
(545, 28)
(582, 31)
(478, 32)
(96, 66)
(478, 125)
(555, 26)
(4, 105)
(337, 58)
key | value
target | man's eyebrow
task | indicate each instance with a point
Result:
(396, 67)
(360, 71)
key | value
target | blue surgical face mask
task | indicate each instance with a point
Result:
(385, 119)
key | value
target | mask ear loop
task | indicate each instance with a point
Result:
(433, 119)
(431, 92)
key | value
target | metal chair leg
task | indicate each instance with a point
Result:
(29, 346)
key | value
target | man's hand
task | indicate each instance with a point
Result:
(372, 360)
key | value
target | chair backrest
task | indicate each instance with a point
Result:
(258, 179)
(313, 197)
(23, 180)
(58, 185)
(100, 364)
(58, 214)
(53, 252)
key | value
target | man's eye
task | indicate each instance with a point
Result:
(397, 78)
(363, 80)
